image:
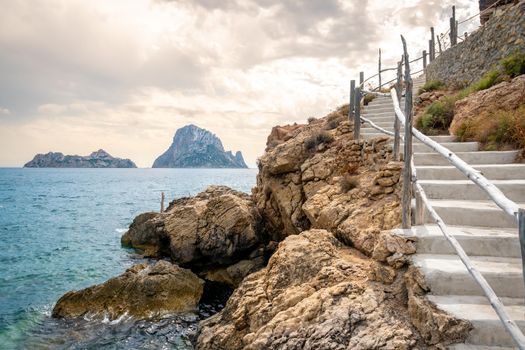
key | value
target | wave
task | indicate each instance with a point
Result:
(121, 230)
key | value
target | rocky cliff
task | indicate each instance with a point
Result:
(97, 159)
(309, 253)
(194, 147)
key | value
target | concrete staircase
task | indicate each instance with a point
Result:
(488, 235)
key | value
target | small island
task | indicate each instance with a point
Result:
(97, 159)
(194, 147)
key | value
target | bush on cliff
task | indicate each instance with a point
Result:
(315, 140)
(501, 130)
(431, 86)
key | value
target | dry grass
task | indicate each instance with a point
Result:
(499, 130)
(348, 183)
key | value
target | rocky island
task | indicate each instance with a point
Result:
(97, 159)
(194, 147)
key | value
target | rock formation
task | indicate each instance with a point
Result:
(97, 159)
(193, 147)
(314, 294)
(477, 108)
(219, 226)
(143, 291)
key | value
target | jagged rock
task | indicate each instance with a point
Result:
(279, 134)
(194, 147)
(218, 226)
(477, 108)
(434, 325)
(314, 294)
(143, 291)
(97, 159)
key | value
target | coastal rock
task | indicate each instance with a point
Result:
(97, 159)
(476, 109)
(219, 226)
(143, 291)
(313, 294)
(279, 134)
(194, 147)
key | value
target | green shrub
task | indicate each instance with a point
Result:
(348, 183)
(491, 78)
(368, 98)
(431, 86)
(438, 115)
(514, 64)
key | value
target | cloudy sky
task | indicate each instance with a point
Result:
(123, 75)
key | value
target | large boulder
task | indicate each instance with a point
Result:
(314, 294)
(219, 226)
(143, 291)
(477, 108)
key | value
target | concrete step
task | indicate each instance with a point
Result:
(490, 171)
(379, 119)
(488, 330)
(471, 213)
(446, 275)
(476, 347)
(468, 190)
(453, 146)
(485, 157)
(383, 113)
(476, 241)
(368, 136)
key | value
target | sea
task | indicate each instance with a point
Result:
(60, 230)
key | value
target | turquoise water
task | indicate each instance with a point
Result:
(60, 230)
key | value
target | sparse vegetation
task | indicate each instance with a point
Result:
(315, 140)
(431, 86)
(311, 120)
(368, 98)
(514, 64)
(332, 124)
(497, 131)
(348, 183)
(438, 115)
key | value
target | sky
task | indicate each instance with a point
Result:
(122, 75)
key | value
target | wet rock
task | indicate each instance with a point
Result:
(143, 291)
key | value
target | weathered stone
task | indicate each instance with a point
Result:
(467, 61)
(217, 226)
(143, 291)
(314, 294)
(477, 109)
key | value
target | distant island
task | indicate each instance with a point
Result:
(97, 159)
(194, 147)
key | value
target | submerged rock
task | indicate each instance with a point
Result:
(143, 291)
(217, 227)
(314, 294)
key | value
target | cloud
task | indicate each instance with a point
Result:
(4, 111)
(81, 75)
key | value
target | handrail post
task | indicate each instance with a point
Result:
(352, 100)
(424, 59)
(357, 113)
(521, 232)
(361, 79)
(432, 52)
(407, 172)
(379, 71)
(397, 137)
(453, 28)
(162, 202)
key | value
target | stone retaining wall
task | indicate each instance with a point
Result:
(469, 60)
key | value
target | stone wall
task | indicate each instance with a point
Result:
(470, 59)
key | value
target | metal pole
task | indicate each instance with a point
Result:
(357, 113)
(352, 100)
